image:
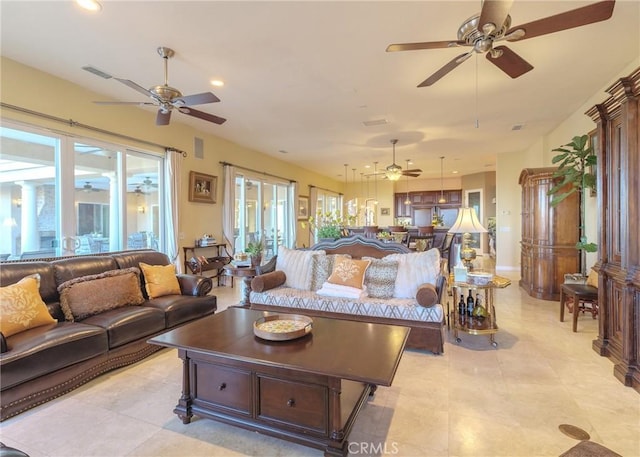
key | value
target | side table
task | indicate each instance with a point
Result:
(474, 325)
(247, 274)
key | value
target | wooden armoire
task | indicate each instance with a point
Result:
(617, 142)
(549, 235)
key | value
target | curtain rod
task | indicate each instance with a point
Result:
(227, 164)
(328, 190)
(72, 123)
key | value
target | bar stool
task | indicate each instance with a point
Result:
(425, 229)
(371, 231)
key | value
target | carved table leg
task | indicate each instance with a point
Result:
(183, 408)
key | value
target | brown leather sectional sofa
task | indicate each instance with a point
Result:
(42, 363)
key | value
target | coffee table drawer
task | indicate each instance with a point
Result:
(223, 386)
(298, 404)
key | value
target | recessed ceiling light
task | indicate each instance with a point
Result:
(455, 172)
(367, 166)
(217, 82)
(89, 5)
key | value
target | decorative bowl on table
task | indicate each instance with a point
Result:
(282, 327)
(479, 278)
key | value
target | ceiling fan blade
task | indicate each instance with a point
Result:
(493, 15)
(202, 115)
(163, 117)
(589, 14)
(413, 170)
(509, 62)
(196, 99)
(413, 175)
(124, 103)
(136, 87)
(446, 69)
(425, 45)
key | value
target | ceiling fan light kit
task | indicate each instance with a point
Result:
(165, 97)
(393, 172)
(493, 24)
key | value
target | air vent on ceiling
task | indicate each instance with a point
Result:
(517, 127)
(375, 122)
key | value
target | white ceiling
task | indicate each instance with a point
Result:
(303, 76)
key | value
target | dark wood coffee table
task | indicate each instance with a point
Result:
(309, 390)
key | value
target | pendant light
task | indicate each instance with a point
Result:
(375, 183)
(407, 202)
(442, 199)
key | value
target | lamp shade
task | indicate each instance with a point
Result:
(467, 222)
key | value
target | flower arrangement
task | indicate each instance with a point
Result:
(327, 225)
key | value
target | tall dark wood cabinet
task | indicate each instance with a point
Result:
(549, 235)
(617, 142)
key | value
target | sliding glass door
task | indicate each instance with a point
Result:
(262, 212)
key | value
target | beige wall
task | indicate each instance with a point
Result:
(509, 166)
(29, 88)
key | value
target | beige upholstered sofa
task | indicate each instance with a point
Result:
(410, 295)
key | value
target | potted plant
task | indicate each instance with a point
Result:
(327, 225)
(255, 249)
(575, 163)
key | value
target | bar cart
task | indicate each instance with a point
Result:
(474, 325)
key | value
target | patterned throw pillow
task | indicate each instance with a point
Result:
(592, 279)
(321, 268)
(160, 280)
(296, 265)
(415, 269)
(348, 272)
(21, 306)
(380, 278)
(93, 294)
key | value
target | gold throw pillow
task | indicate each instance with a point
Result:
(21, 306)
(160, 280)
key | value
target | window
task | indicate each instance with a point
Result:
(61, 195)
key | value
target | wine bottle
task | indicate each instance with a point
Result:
(462, 307)
(470, 304)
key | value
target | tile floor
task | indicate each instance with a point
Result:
(472, 401)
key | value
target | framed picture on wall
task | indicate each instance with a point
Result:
(385, 211)
(303, 208)
(202, 187)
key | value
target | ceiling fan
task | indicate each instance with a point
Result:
(88, 187)
(493, 24)
(394, 171)
(165, 97)
(138, 191)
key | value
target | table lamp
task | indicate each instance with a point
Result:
(467, 223)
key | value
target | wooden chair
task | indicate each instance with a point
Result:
(576, 297)
(412, 239)
(371, 231)
(425, 229)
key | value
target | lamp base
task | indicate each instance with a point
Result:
(467, 253)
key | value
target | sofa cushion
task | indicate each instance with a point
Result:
(268, 281)
(45, 349)
(415, 269)
(21, 306)
(86, 265)
(160, 280)
(127, 324)
(427, 295)
(88, 295)
(349, 272)
(296, 265)
(380, 278)
(183, 308)
(393, 308)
